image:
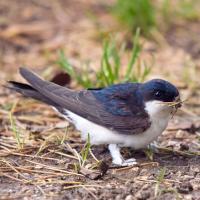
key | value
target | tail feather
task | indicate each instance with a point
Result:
(38, 83)
(32, 78)
(28, 91)
(47, 92)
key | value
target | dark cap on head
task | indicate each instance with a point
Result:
(158, 89)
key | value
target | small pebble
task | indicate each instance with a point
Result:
(179, 134)
(185, 187)
(118, 197)
(129, 197)
(143, 195)
(184, 147)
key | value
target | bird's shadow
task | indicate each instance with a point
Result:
(162, 158)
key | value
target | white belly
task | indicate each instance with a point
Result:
(102, 135)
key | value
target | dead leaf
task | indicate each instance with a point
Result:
(61, 78)
(97, 173)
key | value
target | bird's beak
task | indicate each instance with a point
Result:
(178, 102)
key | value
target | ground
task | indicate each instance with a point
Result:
(45, 162)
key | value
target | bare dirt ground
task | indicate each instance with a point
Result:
(44, 163)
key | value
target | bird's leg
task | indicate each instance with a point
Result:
(117, 158)
(115, 154)
(154, 147)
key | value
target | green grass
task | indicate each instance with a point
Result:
(183, 10)
(83, 155)
(85, 151)
(16, 132)
(7, 106)
(189, 9)
(152, 16)
(136, 13)
(159, 180)
(110, 70)
(149, 153)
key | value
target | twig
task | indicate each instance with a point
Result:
(63, 154)
(14, 178)
(55, 169)
(13, 168)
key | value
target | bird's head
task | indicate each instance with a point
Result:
(160, 96)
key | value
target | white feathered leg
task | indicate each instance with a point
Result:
(117, 158)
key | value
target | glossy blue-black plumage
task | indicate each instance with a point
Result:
(128, 99)
(158, 89)
(121, 99)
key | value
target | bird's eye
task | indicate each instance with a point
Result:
(158, 94)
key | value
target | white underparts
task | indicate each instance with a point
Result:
(159, 117)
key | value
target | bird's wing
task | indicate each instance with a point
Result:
(104, 107)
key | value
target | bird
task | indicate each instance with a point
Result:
(121, 115)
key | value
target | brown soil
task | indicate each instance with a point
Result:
(31, 33)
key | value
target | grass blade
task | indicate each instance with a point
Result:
(134, 55)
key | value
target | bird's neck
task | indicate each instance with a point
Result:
(158, 109)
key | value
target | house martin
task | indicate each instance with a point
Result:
(120, 115)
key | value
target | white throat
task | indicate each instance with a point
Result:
(157, 109)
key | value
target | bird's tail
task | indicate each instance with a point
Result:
(28, 91)
(45, 91)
